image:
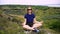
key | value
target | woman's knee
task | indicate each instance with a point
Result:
(25, 26)
(40, 24)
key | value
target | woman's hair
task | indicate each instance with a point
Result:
(29, 8)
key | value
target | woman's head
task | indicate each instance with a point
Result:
(29, 10)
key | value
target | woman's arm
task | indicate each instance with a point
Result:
(24, 22)
(35, 21)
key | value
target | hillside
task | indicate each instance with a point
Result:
(11, 18)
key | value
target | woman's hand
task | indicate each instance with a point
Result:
(41, 22)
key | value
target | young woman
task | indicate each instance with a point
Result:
(30, 22)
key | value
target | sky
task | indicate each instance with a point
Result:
(31, 2)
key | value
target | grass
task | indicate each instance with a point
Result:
(49, 15)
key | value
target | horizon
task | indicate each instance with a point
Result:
(54, 3)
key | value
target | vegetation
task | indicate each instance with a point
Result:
(50, 16)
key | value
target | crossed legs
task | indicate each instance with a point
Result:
(36, 25)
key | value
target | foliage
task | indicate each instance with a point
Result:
(50, 16)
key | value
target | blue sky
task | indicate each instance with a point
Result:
(31, 2)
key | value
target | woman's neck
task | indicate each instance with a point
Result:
(29, 13)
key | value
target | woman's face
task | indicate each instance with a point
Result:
(29, 11)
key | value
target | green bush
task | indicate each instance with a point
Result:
(8, 27)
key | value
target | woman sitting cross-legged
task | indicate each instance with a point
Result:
(30, 22)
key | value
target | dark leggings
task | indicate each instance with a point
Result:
(29, 24)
